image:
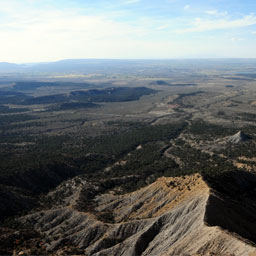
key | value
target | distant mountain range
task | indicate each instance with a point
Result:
(113, 65)
(72, 65)
(9, 67)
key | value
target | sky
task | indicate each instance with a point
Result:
(50, 30)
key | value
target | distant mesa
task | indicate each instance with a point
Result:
(162, 82)
(112, 94)
(239, 137)
(159, 82)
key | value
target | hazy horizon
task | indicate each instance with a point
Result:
(127, 59)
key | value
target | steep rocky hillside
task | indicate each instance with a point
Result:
(172, 216)
(238, 137)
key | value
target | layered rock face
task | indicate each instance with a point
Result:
(167, 217)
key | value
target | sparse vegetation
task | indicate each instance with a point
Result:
(83, 140)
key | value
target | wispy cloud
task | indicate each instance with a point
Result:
(42, 30)
(186, 7)
(236, 39)
(202, 25)
(211, 12)
(171, 1)
(162, 27)
(49, 33)
(216, 13)
(131, 1)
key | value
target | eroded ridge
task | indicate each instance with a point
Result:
(164, 218)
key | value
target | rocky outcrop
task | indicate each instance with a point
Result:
(167, 217)
(238, 138)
